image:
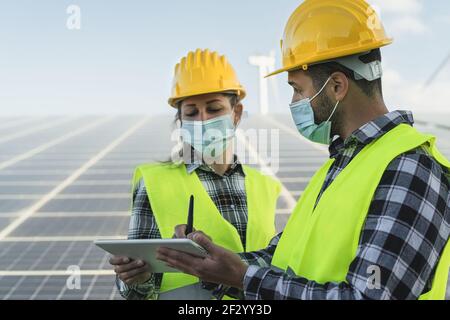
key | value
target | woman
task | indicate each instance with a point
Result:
(235, 203)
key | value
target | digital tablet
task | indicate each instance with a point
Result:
(146, 250)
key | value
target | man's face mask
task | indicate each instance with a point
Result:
(303, 116)
(209, 138)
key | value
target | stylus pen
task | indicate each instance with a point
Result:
(190, 222)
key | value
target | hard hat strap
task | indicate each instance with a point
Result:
(370, 71)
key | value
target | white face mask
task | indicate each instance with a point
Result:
(210, 138)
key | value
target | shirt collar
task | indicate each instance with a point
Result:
(372, 131)
(236, 166)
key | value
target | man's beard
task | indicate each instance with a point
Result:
(323, 109)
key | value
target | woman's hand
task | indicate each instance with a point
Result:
(131, 272)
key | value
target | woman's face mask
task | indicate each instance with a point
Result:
(209, 138)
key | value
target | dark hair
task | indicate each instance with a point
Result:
(321, 72)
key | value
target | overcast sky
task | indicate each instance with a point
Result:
(122, 58)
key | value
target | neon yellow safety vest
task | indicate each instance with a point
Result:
(169, 188)
(320, 243)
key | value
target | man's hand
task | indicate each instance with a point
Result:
(221, 266)
(132, 272)
(180, 231)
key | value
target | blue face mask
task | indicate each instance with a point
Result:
(303, 116)
(210, 138)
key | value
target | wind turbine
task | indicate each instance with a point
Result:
(438, 70)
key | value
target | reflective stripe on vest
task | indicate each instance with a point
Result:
(169, 188)
(320, 243)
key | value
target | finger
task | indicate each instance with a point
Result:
(119, 260)
(133, 273)
(180, 231)
(178, 265)
(183, 268)
(204, 241)
(170, 266)
(129, 266)
(179, 260)
(191, 236)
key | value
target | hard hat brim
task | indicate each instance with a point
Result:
(279, 71)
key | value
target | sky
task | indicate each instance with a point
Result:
(121, 60)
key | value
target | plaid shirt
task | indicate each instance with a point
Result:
(405, 232)
(228, 194)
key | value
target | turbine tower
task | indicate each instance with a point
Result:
(266, 64)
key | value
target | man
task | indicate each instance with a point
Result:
(374, 222)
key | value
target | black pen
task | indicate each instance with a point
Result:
(190, 222)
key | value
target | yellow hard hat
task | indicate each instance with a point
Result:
(323, 30)
(203, 72)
